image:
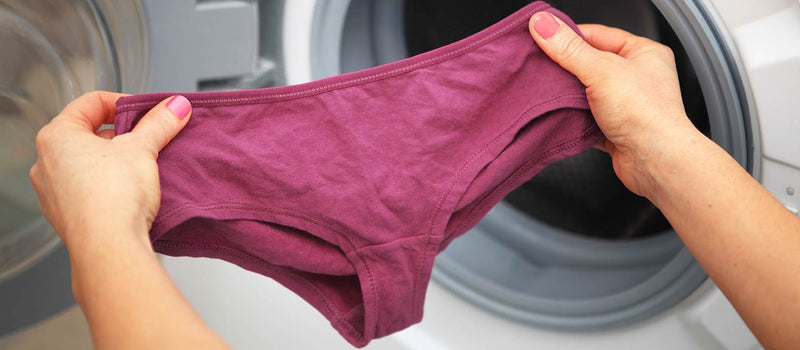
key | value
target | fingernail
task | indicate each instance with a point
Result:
(179, 106)
(545, 24)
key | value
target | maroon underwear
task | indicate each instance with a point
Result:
(345, 189)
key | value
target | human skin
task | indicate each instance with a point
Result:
(101, 194)
(748, 243)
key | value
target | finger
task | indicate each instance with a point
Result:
(33, 176)
(107, 134)
(92, 109)
(613, 40)
(565, 47)
(605, 38)
(160, 125)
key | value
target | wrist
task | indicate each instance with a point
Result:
(85, 231)
(93, 249)
(676, 163)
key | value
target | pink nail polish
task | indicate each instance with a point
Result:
(545, 24)
(179, 106)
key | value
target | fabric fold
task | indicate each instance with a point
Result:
(345, 189)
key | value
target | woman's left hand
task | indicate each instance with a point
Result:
(90, 180)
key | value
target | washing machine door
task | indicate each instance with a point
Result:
(572, 250)
(54, 51)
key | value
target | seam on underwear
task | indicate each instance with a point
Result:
(489, 37)
(591, 131)
(129, 116)
(458, 51)
(437, 209)
(353, 247)
(296, 215)
(457, 176)
(284, 271)
(242, 206)
(378, 245)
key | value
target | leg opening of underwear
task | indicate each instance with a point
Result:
(314, 269)
(539, 143)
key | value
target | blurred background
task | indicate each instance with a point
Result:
(571, 259)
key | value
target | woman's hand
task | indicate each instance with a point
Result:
(632, 88)
(101, 193)
(89, 181)
(746, 241)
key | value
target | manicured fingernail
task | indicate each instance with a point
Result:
(179, 106)
(545, 24)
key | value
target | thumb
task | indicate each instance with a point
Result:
(160, 125)
(564, 46)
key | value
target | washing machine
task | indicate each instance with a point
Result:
(52, 52)
(569, 260)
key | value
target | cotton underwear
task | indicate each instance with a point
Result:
(345, 189)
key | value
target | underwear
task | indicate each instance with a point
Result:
(345, 189)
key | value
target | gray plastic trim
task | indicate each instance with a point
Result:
(564, 281)
(719, 78)
(740, 79)
(326, 37)
(346, 36)
(213, 40)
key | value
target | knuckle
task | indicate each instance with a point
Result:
(164, 122)
(43, 138)
(91, 95)
(609, 61)
(160, 125)
(33, 174)
(36, 178)
(664, 50)
(658, 48)
(572, 48)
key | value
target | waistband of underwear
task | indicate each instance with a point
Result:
(283, 93)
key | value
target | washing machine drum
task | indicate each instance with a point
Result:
(572, 248)
(580, 195)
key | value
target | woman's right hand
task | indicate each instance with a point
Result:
(633, 91)
(744, 238)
